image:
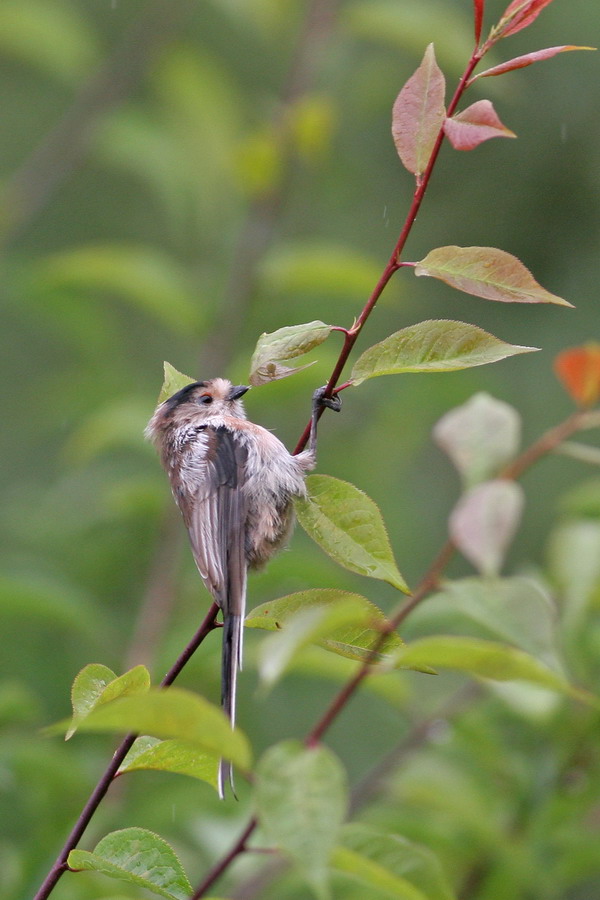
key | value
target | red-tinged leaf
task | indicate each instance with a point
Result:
(418, 114)
(484, 521)
(519, 14)
(478, 10)
(578, 370)
(486, 272)
(474, 125)
(520, 62)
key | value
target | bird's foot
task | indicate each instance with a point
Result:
(319, 400)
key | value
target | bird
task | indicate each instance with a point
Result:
(234, 483)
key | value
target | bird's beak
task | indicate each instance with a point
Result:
(238, 391)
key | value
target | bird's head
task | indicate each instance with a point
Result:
(197, 402)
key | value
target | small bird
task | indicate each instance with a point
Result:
(234, 482)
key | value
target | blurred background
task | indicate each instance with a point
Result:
(177, 178)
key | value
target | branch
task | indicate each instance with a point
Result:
(393, 263)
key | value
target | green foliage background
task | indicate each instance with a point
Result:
(177, 178)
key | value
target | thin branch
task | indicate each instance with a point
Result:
(215, 873)
(394, 263)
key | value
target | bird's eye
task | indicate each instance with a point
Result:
(206, 399)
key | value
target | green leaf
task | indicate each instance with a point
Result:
(283, 344)
(574, 560)
(172, 713)
(419, 113)
(514, 610)
(581, 452)
(479, 437)
(96, 684)
(301, 798)
(348, 526)
(91, 687)
(146, 278)
(486, 659)
(484, 522)
(139, 857)
(486, 272)
(179, 757)
(173, 382)
(354, 639)
(333, 625)
(391, 864)
(373, 876)
(437, 345)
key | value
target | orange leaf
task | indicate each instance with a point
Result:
(578, 370)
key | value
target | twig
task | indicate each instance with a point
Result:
(216, 872)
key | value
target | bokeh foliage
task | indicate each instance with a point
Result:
(177, 178)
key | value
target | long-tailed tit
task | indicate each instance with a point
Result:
(233, 482)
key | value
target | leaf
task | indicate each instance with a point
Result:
(521, 62)
(578, 370)
(574, 560)
(514, 610)
(173, 382)
(519, 14)
(96, 684)
(485, 659)
(416, 869)
(304, 627)
(418, 114)
(172, 713)
(348, 526)
(373, 876)
(179, 757)
(437, 345)
(353, 640)
(486, 272)
(484, 521)
(479, 437)
(139, 857)
(283, 344)
(148, 279)
(478, 13)
(581, 452)
(474, 125)
(301, 798)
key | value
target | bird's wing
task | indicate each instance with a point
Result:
(214, 510)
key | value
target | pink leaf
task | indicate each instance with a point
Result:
(474, 125)
(520, 62)
(484, 521)
(418, 114)
(519, 14)
(478, 4)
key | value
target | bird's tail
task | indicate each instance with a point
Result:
(231, 661)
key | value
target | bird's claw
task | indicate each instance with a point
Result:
(319, 400)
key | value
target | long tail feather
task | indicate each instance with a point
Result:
(231, 661)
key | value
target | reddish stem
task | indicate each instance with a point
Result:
(394, 263)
